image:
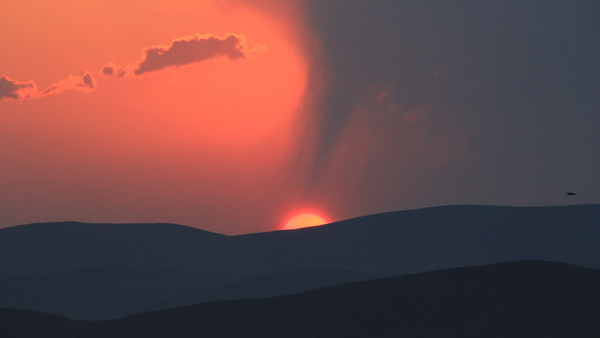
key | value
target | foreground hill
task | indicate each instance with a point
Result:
(112, 292)
(516, 299)
(395, 243)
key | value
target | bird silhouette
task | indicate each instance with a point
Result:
(571, 194)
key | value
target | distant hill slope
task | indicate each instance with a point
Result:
(516, 299)
(397, 243)
(107, 292)
(44, 248)
(111, 292)
(428, 239)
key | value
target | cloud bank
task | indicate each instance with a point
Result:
(23, 90)
(185, 51)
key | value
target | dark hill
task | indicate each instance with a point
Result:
(517, 299)
(396, 243)
(108, 292)
(45, 248)
(427, 239)
(111, 292)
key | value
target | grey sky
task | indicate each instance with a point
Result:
(520, 80)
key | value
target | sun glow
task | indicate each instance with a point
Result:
(304, 221)
(215, 130)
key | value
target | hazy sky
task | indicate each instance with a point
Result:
(234, 115)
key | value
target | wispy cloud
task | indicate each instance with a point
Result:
(85, 83)
(11, 89)
(185, 51)
(23, 90)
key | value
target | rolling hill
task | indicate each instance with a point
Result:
(395, 243)
(112, 292)
(114, 270)
(515, 299)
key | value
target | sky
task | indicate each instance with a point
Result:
(233, 116)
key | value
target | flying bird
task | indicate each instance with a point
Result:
(571, 194)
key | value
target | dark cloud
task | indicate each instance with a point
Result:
(87, 81)
(12, 89)
(28, 90)
(184, 51)
(108, 70)
(190, 50)
(113, 70)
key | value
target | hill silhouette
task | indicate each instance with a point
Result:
(112, 292)
(515, 299)
(142, 267)
(397, 243)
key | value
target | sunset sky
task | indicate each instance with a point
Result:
(234, 116)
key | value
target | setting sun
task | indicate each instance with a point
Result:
(304, 221)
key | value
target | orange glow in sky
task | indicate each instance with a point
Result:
(185, 144)
(217, 101)
(304, 221)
